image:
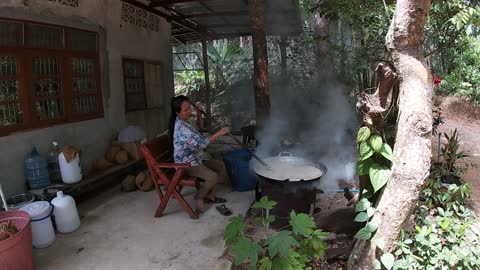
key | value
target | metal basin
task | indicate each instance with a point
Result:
(19, 200)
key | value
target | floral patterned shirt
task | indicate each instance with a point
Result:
(188, 143)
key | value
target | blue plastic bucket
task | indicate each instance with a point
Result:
(237, 164)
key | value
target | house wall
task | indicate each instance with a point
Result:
(118, 39)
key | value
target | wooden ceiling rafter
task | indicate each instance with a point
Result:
(217, 14)
(196, 20)
(184, 23)
(158, 3)
(213, 12)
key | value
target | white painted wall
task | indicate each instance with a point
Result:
(117, 40)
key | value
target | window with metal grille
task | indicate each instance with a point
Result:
(134, 84)
(48, 75)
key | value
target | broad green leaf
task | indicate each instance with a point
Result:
(282, 263)
(363, 134)
(375, 142)
(252, 266)
(280, 243)
(371, 227)
(386, 151)
(445, 224)
(302, 224)
(380, 243)
(387, 260)
(363, 234)
(361, 217)
(362, 205)
(363, 166)
(245, 249)
(270, 218)
(365, 151)
(377, 264)
(234, 230)
(370, 212)
(379, 175)
(264, 203)
(367, 192)
(265, 264)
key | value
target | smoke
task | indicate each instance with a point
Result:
(316, 122)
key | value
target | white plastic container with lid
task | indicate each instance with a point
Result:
(65, 212)
(71, 171)
(43, 234)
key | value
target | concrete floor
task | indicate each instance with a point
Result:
(119, 231)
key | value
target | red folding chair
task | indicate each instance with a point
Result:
(159, 158)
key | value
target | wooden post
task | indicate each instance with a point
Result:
(207, 83)
(257, 13)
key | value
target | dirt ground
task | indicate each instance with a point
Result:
(466, 119)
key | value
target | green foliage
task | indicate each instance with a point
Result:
(234, 230)
(264, 203)
(366, 232)
(379, 175)
(443, 237)
(437, 120)
(365, 150)
(463, 79)
(374, 162)
(363, 166)
(387, 260)
(375, 142)
(386, 151)
(362, 205)
(363, 134)
(280, 243)
(451, 154)
(244, 250)
(287, 250)
(302, 224)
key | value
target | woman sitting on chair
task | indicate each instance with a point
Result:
(188, 144)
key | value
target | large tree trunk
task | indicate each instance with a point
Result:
(257, 12)
(321, 26)
(412, 151)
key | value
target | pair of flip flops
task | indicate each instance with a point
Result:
(223, 210)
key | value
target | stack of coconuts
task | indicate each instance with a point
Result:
(126, 148)
(142, 181)
(118, 153)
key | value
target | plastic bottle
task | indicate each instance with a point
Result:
(36, 170)
(65, 212)
(53, 167)
(71, 171)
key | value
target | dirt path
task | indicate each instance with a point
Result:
(467, 121)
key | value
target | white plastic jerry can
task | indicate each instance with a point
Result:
(71, 171)
(65, 212)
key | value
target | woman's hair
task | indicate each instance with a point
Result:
(176, 106)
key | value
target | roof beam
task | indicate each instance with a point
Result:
(158, 3)
(216, 14)
(170, 18)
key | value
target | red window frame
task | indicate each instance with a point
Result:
(24, 57)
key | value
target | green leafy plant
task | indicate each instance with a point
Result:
(283, 250)
(437, 120)
(451, 153)
(443, 236)
(374, 162)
